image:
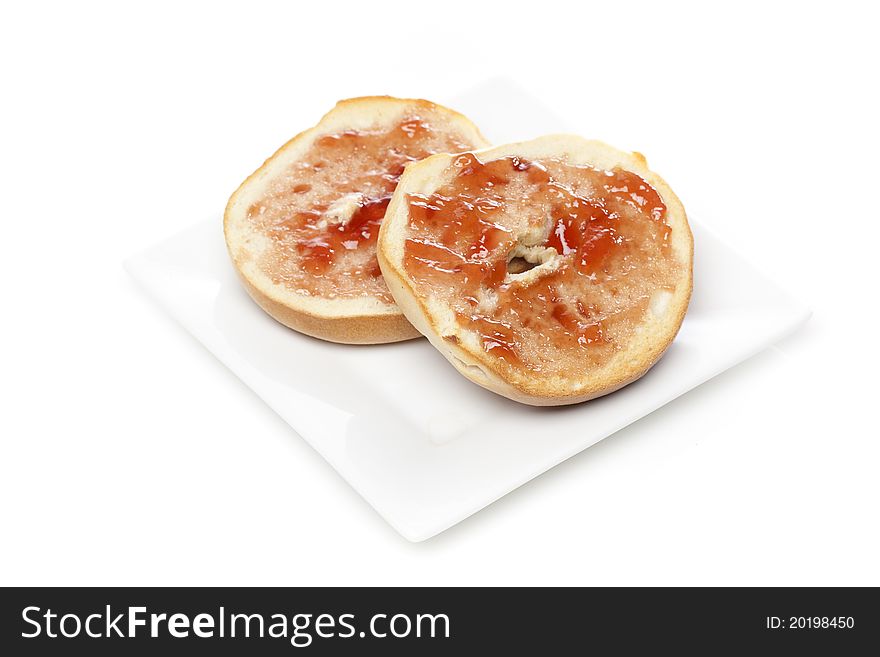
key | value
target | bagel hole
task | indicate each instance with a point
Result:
(519, 265)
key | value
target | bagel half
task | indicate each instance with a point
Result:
(302, 229)
(551, 271)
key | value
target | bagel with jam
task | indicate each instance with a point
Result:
(302, 230)
(551, 271)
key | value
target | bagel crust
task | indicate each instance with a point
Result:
(551, 271)
(301, 230)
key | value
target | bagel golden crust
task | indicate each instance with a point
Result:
(367, 320)
(626, 366)
(350, 329)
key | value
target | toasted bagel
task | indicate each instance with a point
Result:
(551, 271)
(301, 230)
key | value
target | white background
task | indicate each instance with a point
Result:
(130, 456)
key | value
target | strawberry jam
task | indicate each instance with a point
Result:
(541, 260)
(322, 215)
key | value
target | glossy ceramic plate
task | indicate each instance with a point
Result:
(425, 447)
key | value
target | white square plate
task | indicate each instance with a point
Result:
(422, 445)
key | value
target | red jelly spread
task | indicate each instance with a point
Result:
(541, 259)
(322, 215)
